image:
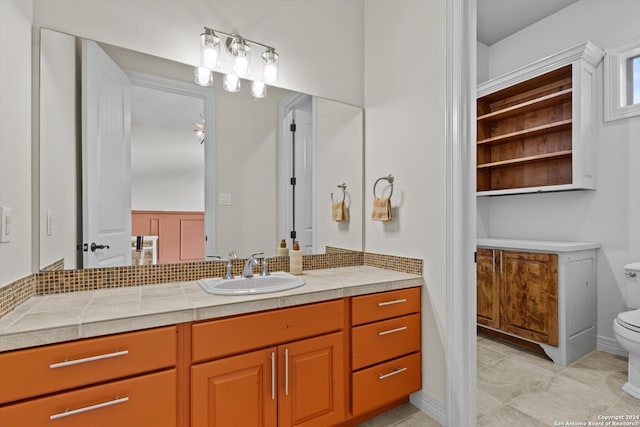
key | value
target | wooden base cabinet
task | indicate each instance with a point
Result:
(294, 384)
(545, 298)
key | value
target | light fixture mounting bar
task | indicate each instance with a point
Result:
(211, 30)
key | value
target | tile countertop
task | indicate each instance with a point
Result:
(537, 245)
(63, 317)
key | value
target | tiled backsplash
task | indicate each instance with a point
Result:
(54, 281)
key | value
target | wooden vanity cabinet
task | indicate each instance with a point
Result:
(518, 293)
(128, 379)
(288, 383)
(385, 347)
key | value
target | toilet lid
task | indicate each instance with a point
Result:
(630, 320)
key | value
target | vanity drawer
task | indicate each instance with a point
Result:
(147, 400)
(384, 383)
(40, 370)
(384, 305)
(384, 340)
(218, 338)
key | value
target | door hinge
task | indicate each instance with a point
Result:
(475, 257)
(292, 127)
(293, 180)
(293, 234)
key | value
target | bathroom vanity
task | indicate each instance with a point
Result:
(336, 351)
(542, 292)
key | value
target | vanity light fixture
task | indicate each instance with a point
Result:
(238, 50)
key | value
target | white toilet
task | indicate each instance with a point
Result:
(627, 328)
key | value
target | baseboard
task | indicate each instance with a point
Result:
(430, 405)
(611, 345)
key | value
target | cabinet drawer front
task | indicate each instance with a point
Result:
(384, 305)
(388, 339)
(40, 370)
(220, 338)
(148, 400)
(386, 382)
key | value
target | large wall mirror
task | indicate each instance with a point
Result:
(202, 171)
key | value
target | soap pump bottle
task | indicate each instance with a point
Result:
(282, 250)
(295, 259)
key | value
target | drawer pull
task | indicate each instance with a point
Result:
(396, 301)
(88, 408)
(286, 372)
(391, 331)
(392, 373)
(88, 359)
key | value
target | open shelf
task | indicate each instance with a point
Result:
(534, 131)
(529, 159)
(525, 107)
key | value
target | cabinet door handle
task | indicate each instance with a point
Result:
(286, 371)
(397, 301)
(493, 259)
(88, 359)
(500, 261)
(391, 331)
(273, 375)
(115, 401)
(392, 373)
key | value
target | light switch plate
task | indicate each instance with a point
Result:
(225, 199)
(5, 224)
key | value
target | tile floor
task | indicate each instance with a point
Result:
(517, 387)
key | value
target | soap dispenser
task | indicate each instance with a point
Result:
(282, 250)
(295, 259)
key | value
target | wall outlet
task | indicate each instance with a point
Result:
(6, 228)
(225, 199)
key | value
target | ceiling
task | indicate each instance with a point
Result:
(498, 19)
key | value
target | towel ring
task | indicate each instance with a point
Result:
(343, 186)
(389, 178)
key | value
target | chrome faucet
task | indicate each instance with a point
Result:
(249, 264)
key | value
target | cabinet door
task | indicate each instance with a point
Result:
(235, 391)
(529, 295)
(311, 390)
(488, 297)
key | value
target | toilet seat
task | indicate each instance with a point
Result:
(630, 320)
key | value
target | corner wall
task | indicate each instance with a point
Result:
(15, 135)
(405, 136)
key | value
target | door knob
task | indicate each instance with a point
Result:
(94, 247)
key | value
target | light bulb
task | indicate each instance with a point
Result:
(203, 76)
(231, 83)
(210, 58)
(258, 89)
(241, 65)
(209, 47)
(270, 74)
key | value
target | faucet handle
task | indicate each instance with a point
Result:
(255, 255)
(265, 266)
(216, 258)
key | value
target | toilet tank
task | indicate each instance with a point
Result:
(632, 280)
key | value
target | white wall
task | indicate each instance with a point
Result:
(167, 170)
(58, 153)
(15, 135)
(339, 149)
(319, 41)
(405, 136)
(610, 214)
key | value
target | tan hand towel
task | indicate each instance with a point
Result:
(381, 210)
(339, 212)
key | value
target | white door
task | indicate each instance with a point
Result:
(297, 160)
(106, 160)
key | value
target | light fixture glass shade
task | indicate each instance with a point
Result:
(231, 83)
(258, 89)
(203, 76)
(240, 53)
(270, 73)
(209, 50)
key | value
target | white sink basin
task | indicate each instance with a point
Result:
(277, 281)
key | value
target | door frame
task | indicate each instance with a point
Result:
(284, 158)
(460, 345)
(206, 94)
